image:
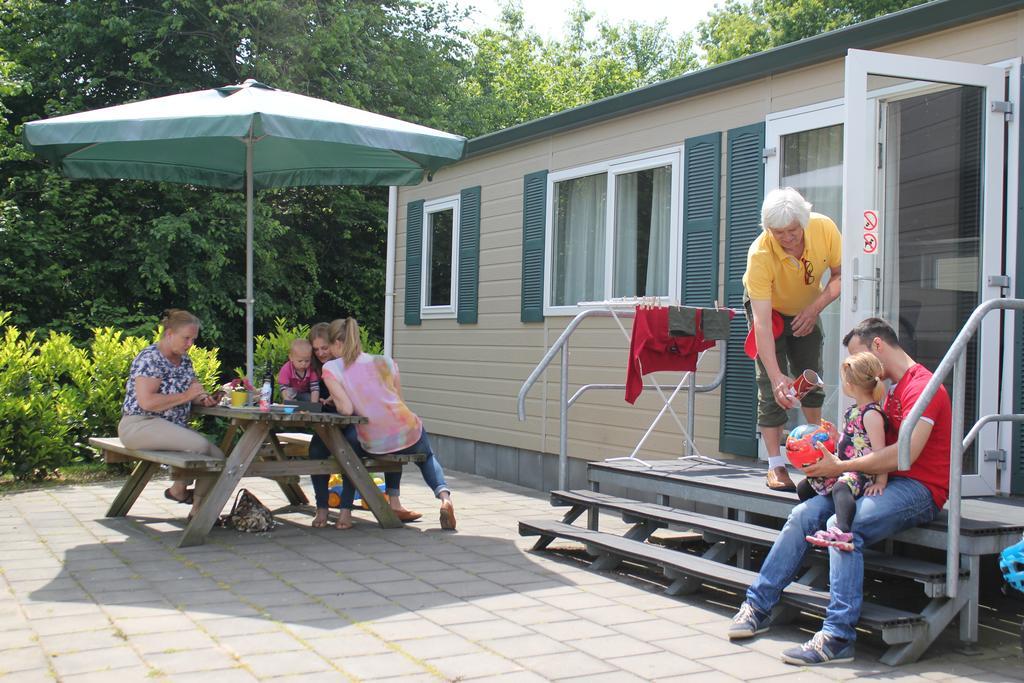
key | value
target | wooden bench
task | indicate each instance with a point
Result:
(297, 443)
(277, 463)
(181, 463)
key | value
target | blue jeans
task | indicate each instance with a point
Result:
(318, 451)
(904, 503)
(433, 475)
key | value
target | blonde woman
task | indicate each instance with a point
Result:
(162, 388)
(366, 385)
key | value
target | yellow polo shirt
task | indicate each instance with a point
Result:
(773, 274)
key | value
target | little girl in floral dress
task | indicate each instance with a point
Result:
(864, 427)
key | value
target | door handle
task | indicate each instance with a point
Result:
(867, 278)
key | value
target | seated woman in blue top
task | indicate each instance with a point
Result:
(161, 390)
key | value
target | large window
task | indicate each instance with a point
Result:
(440, 258)
(628, 205)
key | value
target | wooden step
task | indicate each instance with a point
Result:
(932, 575)
(896, 625)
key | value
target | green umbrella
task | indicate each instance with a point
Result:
(248, 135)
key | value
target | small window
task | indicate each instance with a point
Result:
(643, 214)
(440, 259)
(578, 269)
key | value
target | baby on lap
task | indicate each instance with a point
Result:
(298, 381)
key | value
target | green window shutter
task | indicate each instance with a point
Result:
(744, 192)
(702, 173)
(469, 254)
(413, 261)
(535, 198)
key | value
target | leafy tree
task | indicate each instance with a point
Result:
(741, 28)
(516, 75)
(80, 254)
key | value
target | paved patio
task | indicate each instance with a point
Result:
(85, 598)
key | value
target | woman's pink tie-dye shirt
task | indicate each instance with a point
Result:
(370, 382)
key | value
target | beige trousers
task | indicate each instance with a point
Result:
(147, 432)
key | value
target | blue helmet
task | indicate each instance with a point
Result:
(1011, 562)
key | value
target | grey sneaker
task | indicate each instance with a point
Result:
(820, 649)
(748, 622)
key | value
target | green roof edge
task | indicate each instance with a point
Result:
(902, 25)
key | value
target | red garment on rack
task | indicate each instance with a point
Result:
(651, 349)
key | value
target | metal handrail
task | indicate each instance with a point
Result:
(955, 360)
(562, 345)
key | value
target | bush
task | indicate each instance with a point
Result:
(54, 394)
(35, 414)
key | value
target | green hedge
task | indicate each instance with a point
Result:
(55, 395)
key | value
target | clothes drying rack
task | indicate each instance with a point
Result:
(618, 309)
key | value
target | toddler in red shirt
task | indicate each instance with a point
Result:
(298, 381)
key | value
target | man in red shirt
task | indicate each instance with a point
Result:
(911, 497)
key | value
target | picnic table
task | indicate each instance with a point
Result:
(258, 452)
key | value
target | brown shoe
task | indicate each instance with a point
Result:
(407, 515)
(778, 479)
(447, 515)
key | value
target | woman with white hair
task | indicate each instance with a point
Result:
(784, 297)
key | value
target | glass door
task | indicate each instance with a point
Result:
(806, 153)
(924, 215)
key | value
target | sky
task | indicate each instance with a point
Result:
(548, 17)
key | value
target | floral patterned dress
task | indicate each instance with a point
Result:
(853, 443)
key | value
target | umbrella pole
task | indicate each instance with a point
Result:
(248, 257)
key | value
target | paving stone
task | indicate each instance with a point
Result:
(535, 615)
(411, 628)
(234, 675)
(525, 646)
(565, 665)
(654, 630)
(458, 614)
(285, 663)
(171, 642)
(474, 665)
(657, 664)
(578, 601)
(169, 623)
(131, 673)
(23, 659)
(608, 616)
(104, 659)
(229, 626)
(702, 677)
(700, 646)
(17, 638)
(348, 645)
(277, 641)
(613, 646)
(386, 664)
(610, 677)
(438, 646)
(482, 630)
(59, 625)
(740, 665)
(182, 661)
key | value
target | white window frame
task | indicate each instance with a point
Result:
(671, 156)
(436, 206)
(779, 124)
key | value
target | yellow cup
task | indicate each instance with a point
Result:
(239, 398)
